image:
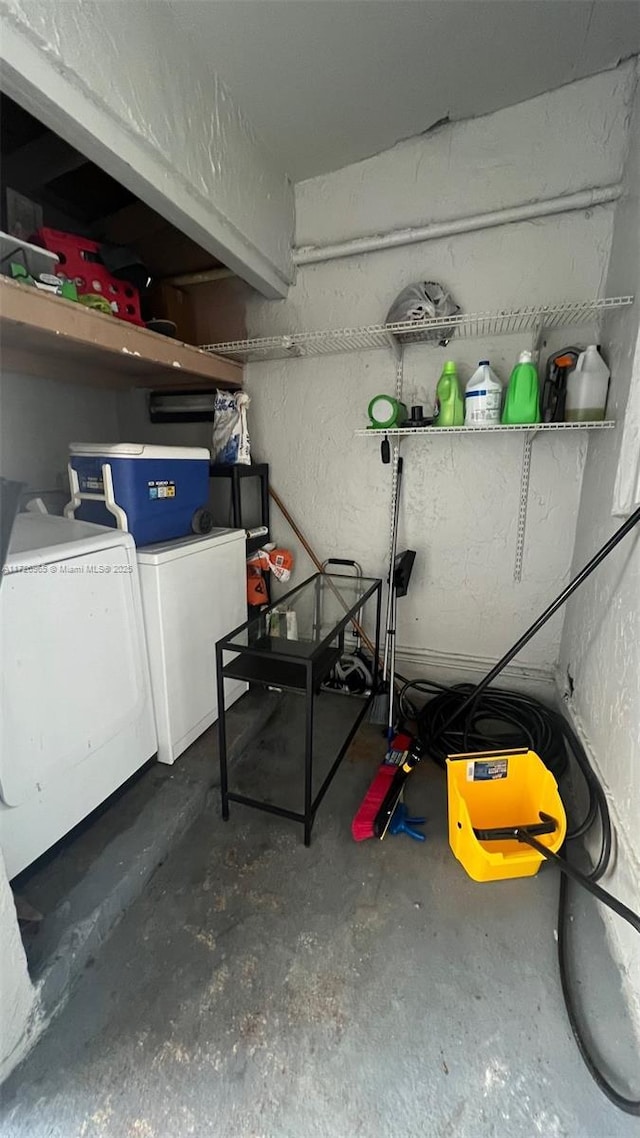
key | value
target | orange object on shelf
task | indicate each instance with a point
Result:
(257, 591)
(278, 561)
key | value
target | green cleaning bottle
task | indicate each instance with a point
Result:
(522, 401)
(449, 401)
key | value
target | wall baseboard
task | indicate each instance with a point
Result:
(451, 667)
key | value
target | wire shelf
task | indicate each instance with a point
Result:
(301, 345)
(595, 425)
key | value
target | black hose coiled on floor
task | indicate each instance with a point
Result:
(500, 719)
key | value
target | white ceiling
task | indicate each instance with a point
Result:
(328, 82)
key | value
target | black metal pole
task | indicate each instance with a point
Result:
(222, 735)
(546, 615)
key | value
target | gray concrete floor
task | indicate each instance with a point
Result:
(87, 881)
(258, 989)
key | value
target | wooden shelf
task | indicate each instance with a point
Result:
(44, 335)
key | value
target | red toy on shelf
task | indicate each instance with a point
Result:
(80, 261)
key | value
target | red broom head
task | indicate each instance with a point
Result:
(362, 825)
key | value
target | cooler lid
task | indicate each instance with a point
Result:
(163, 551)
(138, 450)
(43, 538)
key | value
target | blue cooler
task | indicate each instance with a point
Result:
(155, 493)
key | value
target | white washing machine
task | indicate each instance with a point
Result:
(76, 705)
(194, 592)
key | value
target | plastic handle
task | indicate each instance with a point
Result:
(504, 833)
(385, 451)
(391, 798)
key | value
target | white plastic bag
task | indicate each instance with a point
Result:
(425, 300)
(230, 443)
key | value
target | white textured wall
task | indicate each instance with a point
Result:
(38, 420)
(601, 640)
(461, 495)
(123, 78)
(533, 150)
(17, 995)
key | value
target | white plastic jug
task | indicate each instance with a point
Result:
(482, 398)
(587, 387)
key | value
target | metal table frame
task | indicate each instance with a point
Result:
(252, 665)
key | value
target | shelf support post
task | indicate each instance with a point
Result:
(396, 445)
(396, 346)
(525, 474)
(537, 339)
(399, 370)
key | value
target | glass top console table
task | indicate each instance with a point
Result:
(293, 645)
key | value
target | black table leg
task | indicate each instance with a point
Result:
(222, 737)
(308, 758)
(236, 500)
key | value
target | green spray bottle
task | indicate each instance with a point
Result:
(522, 401)
(449, 401)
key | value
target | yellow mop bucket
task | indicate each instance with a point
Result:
(491, 796)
